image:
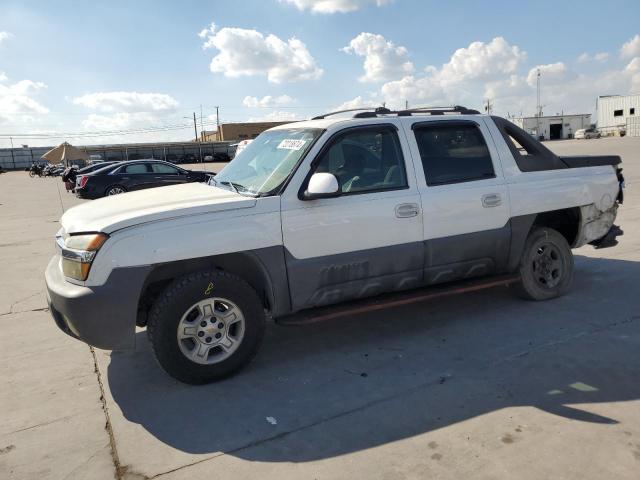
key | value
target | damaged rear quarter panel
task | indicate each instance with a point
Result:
(594, 223)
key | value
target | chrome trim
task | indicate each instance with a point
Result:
(81, 256)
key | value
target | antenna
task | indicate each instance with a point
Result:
(538, 106)
(488, 107)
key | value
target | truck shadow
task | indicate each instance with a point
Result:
(346, 385)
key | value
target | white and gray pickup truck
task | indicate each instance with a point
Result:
(316, 213)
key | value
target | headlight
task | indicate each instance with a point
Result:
(78, 252)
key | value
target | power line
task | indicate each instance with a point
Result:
(102, 133)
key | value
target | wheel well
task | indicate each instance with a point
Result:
(565, 221)
(245, 265)
(114, 185)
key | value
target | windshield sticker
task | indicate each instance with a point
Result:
(291, 144)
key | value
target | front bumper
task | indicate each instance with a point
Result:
(103, 316)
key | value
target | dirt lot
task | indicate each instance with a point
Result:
(479, 386)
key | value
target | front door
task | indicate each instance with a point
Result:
(367, 240)
(465, 201)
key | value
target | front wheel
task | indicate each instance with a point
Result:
(546, 267)
(206, 326)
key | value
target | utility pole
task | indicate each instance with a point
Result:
(13, 158)
(538, 107)
(218, 124)
(195, 126)
(201, 124)
(406, 104)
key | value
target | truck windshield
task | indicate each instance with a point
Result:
(267, 161)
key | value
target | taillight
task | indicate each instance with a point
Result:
(83, 181)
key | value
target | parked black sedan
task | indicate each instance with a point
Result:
(134, 175)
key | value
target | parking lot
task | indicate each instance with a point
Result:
(482, 385)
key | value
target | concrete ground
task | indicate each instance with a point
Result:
(476, 386)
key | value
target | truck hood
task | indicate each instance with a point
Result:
(121, 211)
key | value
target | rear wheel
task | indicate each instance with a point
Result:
(546, 267)
(115, 190)
(205, 326)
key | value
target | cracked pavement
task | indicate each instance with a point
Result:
(482, 385)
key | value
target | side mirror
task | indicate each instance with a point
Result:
(322, 185)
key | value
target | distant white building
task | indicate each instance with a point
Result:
(554, 127)
(616, 112)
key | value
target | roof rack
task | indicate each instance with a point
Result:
(371, 112)
(438, 111)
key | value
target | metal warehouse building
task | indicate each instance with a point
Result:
(554, 127)
(616, 112)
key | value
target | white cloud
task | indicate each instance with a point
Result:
(266, 101)
(276, 116)
(421, 90)
(631, 48)
(552, 73)
(208, 31)
(128, 111)
(461, 78)
(3, 77)
(333, 6)
(126, 101)
(119, 121)
(383, 59)
(4, 36)
(483, 60)
(358, 102)
(245, 52)
(496, 70)
(598, 57)
(17, 104)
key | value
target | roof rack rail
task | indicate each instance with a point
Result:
(370, 111)
(438, 111)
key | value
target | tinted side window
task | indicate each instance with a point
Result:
(136, 168)
(365, 160)
(453, 154)
(162, 168)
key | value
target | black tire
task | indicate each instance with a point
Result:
(113, 188)
(546, 266)
(177, 299)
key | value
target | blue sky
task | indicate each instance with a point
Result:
(80, 67)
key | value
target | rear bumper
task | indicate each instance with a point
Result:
(103, 316)
(86, 193)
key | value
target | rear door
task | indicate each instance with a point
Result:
(164, 174)
(465, 203)
(368, 239)
(136, 176)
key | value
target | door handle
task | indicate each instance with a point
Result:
(406, 210)
(491, 200)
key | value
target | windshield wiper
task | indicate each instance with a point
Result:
(232, 185)
(238, 188)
